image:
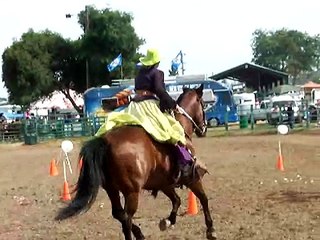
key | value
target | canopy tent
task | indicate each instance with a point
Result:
(59, 101)
(311, 85)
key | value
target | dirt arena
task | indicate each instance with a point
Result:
(248, 197)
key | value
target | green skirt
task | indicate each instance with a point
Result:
(161, 126)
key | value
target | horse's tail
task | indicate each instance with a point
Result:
(93, 155)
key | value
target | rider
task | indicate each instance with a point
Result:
(149, 84)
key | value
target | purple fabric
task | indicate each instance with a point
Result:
(183, 155)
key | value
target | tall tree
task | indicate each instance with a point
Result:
(29, 66)
(106, 34)
(40, 63)
(285, 50)
(316, 43)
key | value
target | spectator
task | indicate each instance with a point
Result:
(28, 114)
(290, 113)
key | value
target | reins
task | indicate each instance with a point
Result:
(184, 113)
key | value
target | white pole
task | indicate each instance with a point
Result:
(68, 162)
(59, 159)
(280, 148)
(121, 70)
(64, 171)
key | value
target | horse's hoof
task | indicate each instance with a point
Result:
(211, 235)
(164, 224)
(141, 238)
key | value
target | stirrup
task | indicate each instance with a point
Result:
(188, 173)
(186, 170)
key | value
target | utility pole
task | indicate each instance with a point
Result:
(182, 65)
(86, 29)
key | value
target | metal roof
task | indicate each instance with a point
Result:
(255, 76)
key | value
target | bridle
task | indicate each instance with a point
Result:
(201, 129)
(184, 113)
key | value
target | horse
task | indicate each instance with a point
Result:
(127, 159)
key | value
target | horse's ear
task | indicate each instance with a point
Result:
(185, 89)
(199, 90)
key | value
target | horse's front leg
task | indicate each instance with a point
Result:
(176, 202)
(197, 189)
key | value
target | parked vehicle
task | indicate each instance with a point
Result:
(218, 99)
(10, 117)
(313, 113)
(279, 110)
(315, 96)
(260, 113)
(246, 99)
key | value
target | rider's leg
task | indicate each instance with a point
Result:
(185, 156)
(185, 159)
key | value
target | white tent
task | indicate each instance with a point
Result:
(58, 100)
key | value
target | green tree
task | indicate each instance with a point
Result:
(40, 63)
(316, 43)
(285, 50)
(108, 33)
(30, 66)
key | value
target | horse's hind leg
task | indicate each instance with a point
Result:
(119, 213)
(197, 189)
(131, 206)
(176, 202)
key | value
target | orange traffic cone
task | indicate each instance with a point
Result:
(66, 193)
(53, 168)
(280, 159)
(280, 163)
(192, 204)
(80, 164)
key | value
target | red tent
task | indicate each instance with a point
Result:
(310, 85)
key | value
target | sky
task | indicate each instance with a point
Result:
(213, 35)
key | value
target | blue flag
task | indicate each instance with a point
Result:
(175, 63)
(115, 63)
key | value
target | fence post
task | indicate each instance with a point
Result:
(307, 115)
(31, 132)
(318, 116)
(226, 117)
(93, 125)
(83, 126)
(251, 117)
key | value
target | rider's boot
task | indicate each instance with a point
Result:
(185, 161)
(188, 163)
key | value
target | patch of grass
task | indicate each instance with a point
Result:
(258, 130)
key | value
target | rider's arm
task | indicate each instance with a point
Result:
(166, 101)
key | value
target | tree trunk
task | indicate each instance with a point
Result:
(66, 92)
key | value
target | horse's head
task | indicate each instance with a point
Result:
(191, 101)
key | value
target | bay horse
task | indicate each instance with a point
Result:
(127, 160)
